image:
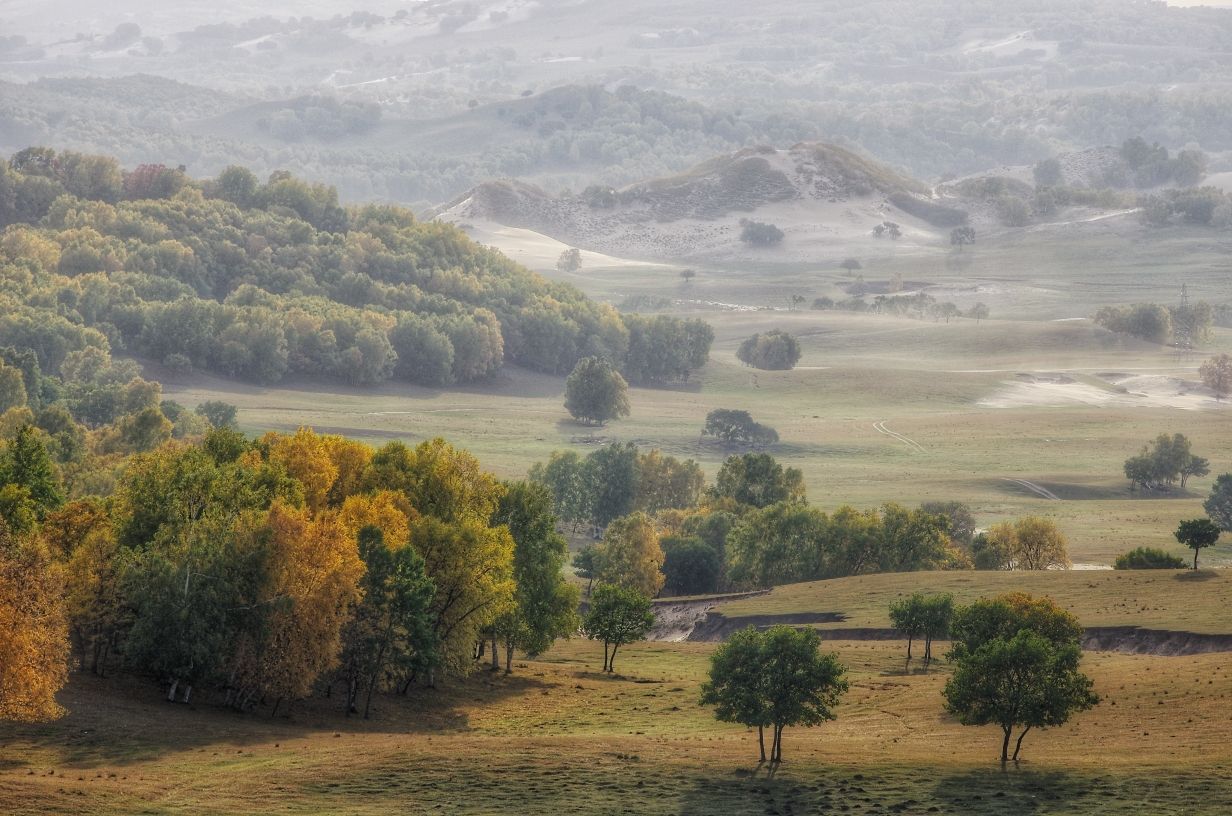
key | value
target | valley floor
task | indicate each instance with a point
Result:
(560, 737)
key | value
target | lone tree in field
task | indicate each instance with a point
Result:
(736, 427)
(1218, 505)
(617, 616)
(907, 619)
(687, 275)
(774, 350)
(570, 260)
(595, 392)
(1197, 534)
(851, 265)
(1016, 666)
(978, 312)
(778, 677)
(1217, 375)
(757, 234)
(961, 236)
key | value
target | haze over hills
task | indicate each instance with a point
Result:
(419, 103)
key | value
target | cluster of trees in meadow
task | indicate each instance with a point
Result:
(258, 280)
(918, 305)
(267, 570)
(659, 526)
(1016, 665)
(1159, 324)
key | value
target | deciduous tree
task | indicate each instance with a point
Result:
(617, 616)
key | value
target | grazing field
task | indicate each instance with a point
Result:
(1153, 599)
(558, 736)
(879, 409)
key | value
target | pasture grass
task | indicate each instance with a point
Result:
(1171, 600)
(559, 736)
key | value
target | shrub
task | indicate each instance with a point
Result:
(773, 351)
(1148, 558)
(755, 233)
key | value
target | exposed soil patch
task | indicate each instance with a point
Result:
(714, 627)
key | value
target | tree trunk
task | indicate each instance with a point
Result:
(171, 691)
(187, 694)
(274, 710)
(1018, 745)
(495, 653)
(909, 639)
(1005, 745)
(605, 645)
(761, 741)
(611, 661)
(1195, 559)
(368, 697)
(508, 657)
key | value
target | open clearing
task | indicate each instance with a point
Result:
(560, 737)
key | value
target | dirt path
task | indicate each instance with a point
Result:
(1036, 489)
(916, 447)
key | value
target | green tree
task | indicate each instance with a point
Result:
(617, 616)
(1016, 666)
(390, 631)
(1218, 505)
(737, 427)
(1217, 375)
(218, 413)
(736, 684)
(610, 481)
(778, 677)
(962, 236)
(690, 566)
(545, 603)
(756, 479)
(1197, 534)
(907, 618)
(570, 260)
(595, 392)
(12, 388)
(771, 351)
(26, 463)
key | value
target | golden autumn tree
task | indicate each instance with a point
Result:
(94, 597)
(385, 510)
(630, 555)
(305, 456)
(33, 632)
(351, 459)
(312, 578)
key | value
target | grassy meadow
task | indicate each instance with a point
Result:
(558, 736)
(963, 393)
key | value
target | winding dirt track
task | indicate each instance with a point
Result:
(1036, 489)
(916, 447)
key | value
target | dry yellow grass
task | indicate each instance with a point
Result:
(559, 737)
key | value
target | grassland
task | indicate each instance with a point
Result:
(926, 381)
(559, 737)
(1153, 599)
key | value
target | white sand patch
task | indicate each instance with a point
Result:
(1129, 390)
(538, 251)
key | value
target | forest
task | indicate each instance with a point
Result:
(261, 280)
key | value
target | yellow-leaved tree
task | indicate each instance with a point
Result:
(471, 566)
(312, 582)
(385, 510)
(305, 456)
(33, 632)
(630, 555)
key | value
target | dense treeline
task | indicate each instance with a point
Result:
(660, 525)
(266, 570)
(258, 280)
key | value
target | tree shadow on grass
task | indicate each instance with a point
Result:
(124, 719)
(1020, 790)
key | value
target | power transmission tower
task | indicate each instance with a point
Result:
(1182, 327)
